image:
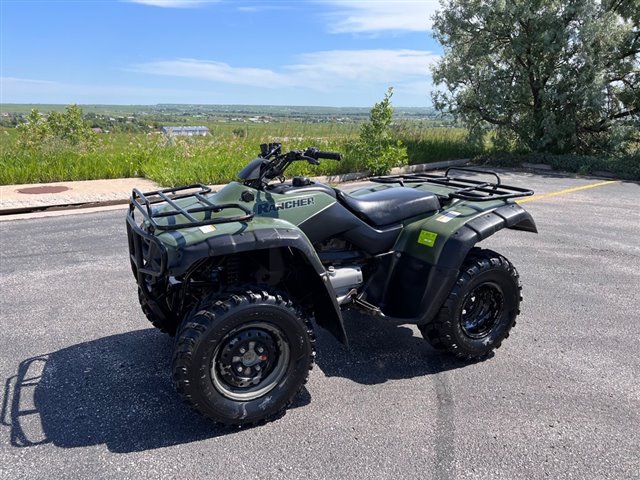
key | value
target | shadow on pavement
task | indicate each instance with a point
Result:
(115, 391)
(379, 351)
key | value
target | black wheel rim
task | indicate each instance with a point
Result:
(250, 361)
(481, 310)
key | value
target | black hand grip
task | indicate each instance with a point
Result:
(328, 155)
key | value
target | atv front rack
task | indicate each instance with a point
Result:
(464, 188)
(178, 217)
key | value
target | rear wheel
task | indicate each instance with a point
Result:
(242, 359)
(481, 308)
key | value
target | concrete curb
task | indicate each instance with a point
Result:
(73, 194)
(62, 206)
(425, 167)
(124, 198)
(422, 167)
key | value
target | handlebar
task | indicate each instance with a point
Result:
(313, 152)
(271, 163)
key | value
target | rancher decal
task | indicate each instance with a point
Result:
(265, 207)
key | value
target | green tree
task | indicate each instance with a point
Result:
(552, 75)
(67, 128)
(34, 131)
(376, 147)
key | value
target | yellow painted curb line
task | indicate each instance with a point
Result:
(568, 190)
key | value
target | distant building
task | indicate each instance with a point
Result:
(188, 131)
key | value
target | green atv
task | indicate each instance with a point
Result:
(237, 275)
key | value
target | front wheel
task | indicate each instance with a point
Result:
(481, 308)
(164, 322)
(242, 359)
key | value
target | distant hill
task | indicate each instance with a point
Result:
(220, 110)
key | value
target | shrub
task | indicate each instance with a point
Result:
(57, 130)
(377, 149)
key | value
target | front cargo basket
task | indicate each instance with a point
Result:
(183, 217)
(147, 253)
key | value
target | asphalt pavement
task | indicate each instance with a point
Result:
(87, 392)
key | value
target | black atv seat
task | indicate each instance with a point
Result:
(391, 205)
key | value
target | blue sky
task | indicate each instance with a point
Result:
(324, 52)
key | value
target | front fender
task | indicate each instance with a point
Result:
(326, 308)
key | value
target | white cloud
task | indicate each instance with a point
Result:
(318, 71)
(364, 66)
(261, 8)
(29, 90)
(333, 77)
(418, 88)
(173, 3)
(15, 81)
(214, 71)
(364, 16)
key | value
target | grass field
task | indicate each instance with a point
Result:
(212, 159)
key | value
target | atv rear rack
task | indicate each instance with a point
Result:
(144, 203)
(466, 188)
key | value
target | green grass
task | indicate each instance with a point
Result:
(426, 145)
(212, 159)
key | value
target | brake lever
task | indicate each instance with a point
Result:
(311, 160)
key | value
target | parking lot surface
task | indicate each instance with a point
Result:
(87, 391)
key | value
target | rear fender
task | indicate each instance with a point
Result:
(458, 246)
(429, 254)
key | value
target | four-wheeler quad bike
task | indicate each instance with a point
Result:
(238, 275)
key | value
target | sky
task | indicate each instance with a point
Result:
(320, 52)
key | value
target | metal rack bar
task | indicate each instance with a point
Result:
(463, 187)
(180, 210)
(143, 202)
